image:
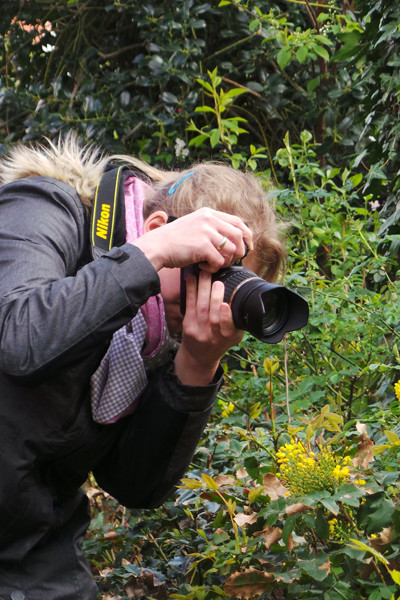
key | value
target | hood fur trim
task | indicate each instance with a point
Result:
(79, 166)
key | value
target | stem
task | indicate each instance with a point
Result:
(226, 48)
(289, 151)
(271, 408)
(234, 525)
(157, 545)
(285, 363)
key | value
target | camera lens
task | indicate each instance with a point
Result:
(275, 311)
(265, 310)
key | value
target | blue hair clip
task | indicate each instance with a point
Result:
(172, 189)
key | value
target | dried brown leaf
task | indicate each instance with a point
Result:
(242, 519)
(247, 584)
(273, 487)
(364, 455)
(224, 480)
(111, 535)
(242, 473)
(272, 535)
(294, 509)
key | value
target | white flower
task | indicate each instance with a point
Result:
(374, 204)
(180, 149)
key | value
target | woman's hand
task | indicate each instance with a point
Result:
(208, 331)
(209, 237)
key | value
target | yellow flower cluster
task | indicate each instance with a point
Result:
(339, 530)
(303, 472)
(332, 525)
(397, 389)
(227, 408)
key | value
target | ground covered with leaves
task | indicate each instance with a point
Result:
(309, 509)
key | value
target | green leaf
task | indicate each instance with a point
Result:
(321, 526)
(356, 179)
(209, 481)
(361, 546)
(322, 52)
(234, 92)
(350, 42)
(302, 54)
(318, 568)
(190, 484)
(330, 504)
(289, 527)
(205, 109)
(312, 84)
(202, 534)
(198, 140)
(254, 24)
(284, 57)
(214, 137)
(205, 85)
(392, 437)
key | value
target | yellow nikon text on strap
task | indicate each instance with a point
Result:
(103, 214)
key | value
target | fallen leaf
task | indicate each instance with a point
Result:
(111, 535)
(273, 486)
(247, 584)
(294, 509)
(364, 455)
(383, 538)
(224, 480)
(242, 473)
(362, 429)
(241, 519)
(272, 535)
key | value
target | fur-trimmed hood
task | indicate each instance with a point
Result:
(79, 166)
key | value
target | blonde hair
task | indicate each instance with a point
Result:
(214, 185)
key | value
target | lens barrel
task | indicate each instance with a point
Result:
(264, 309)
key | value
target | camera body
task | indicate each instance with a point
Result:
(264, 309)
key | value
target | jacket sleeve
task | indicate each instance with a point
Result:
(156, 444)
(52, 312)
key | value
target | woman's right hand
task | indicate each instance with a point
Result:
(209, 237)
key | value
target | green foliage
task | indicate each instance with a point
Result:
(294, 491)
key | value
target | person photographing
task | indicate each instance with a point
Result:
(99, 369)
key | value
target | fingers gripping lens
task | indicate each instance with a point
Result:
(265, 310)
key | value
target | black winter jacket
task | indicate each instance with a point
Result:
(58, 312)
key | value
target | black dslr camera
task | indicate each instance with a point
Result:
(265, 310)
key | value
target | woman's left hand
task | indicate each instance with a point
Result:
(208, 331)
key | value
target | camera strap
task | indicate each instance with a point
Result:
(108, 211)
(107, 221)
